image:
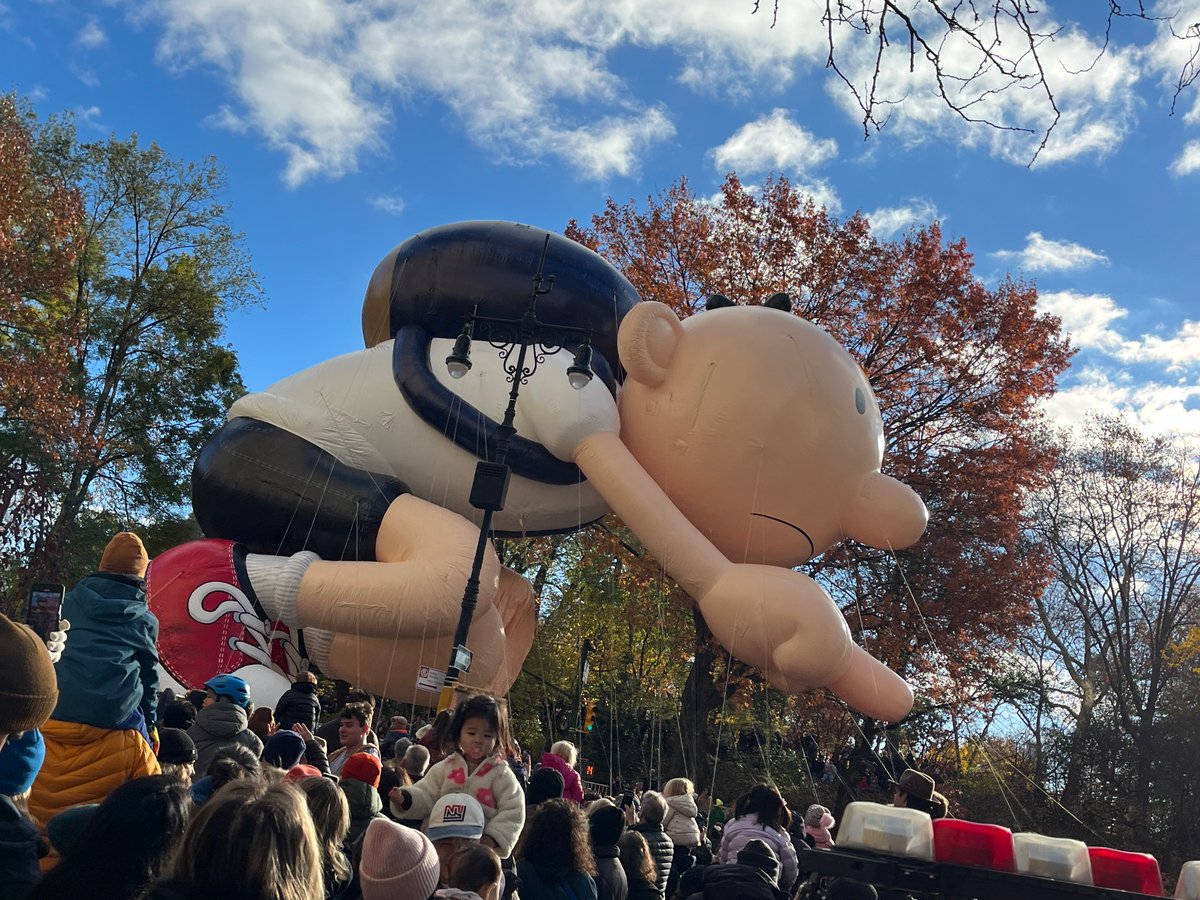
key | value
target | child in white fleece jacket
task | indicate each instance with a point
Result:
(474, 765)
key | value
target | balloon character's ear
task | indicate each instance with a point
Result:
(717, 301)
(780, 301)
(649, 334)
(885, 513)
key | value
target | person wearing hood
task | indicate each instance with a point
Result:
(606, 823)
(753, 876)
(224, 721)
(299, 703)
(102, 732)
(360, 783)
(561, 759)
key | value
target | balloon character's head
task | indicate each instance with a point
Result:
(763, 430)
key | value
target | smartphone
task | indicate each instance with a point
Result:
(45, 609)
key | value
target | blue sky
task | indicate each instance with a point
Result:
(347, 125)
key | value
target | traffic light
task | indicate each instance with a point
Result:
(589, 716)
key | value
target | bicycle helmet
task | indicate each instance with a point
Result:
(232, 687)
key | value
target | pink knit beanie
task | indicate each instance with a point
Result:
(397, 862)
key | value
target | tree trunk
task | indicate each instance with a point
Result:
(701, 698)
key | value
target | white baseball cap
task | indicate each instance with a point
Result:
(455, 816)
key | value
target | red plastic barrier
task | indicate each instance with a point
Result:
(1125, 871)
(973, 844)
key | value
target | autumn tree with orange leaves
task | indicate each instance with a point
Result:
(40, 214)
(958, 369)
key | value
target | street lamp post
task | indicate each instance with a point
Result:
(533, 340)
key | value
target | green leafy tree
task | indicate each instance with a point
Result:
(157, 270)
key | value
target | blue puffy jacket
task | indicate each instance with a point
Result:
(107, 670)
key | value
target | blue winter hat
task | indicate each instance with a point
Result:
(20, 761)
(284, 749)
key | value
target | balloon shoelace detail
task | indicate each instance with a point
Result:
(262, 632)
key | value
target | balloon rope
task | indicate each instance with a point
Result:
(712, 787)
(296, 509)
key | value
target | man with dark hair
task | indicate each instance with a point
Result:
(328, 731)
(354, 724)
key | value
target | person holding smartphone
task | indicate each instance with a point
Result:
(108, 686)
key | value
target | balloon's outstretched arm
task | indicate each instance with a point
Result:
(774, 618)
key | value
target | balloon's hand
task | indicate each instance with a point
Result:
(784, 623)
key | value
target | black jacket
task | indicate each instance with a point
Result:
(299, 703)
(611, 883)
(643, 890)
(734, 881)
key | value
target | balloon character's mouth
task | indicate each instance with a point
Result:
(812, 549)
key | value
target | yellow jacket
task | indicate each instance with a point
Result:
(84, 764)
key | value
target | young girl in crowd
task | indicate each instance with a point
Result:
(561, 759)
(762, 814)
(681, 827)
(474, 744)
(817, 822)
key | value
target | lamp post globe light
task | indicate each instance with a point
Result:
(532, 340)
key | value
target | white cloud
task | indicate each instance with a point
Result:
(1160, 397)
(773, 143)
(1090, 319)
(822, 192)
(321, 79)
(1188, 160)
(1087, 318)
(91, 35)
(1043, 255)
(388, 203)
(612, 145)
(889, 221)
(89, 117)
(1179, 350)
(1156, 407)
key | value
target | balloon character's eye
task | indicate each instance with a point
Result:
(860, 400)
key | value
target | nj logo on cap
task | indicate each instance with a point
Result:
(455, 812)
